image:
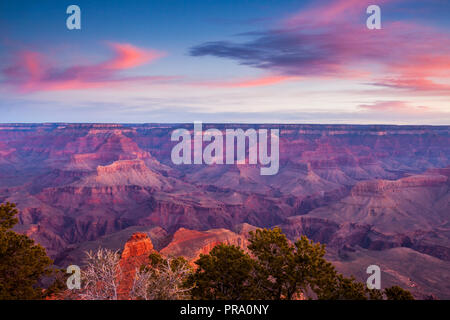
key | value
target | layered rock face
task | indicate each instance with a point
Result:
(137, 246)
(135, 254)
(354, 188)
(191, 243)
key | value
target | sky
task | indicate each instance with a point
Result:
(245, 61)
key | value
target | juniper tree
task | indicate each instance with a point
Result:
(226, 273)
(277, 269)
(22, 262)
(397, 293)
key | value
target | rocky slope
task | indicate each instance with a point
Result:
(192, 243)
(135, 254)
(374, 188)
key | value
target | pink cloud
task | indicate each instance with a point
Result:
(129, 56)
(393, 106)
(414, 84)
(410, 53)
(34, 72)
(265, 80)
(331, 11)
(330, 41)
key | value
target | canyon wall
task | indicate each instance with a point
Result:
(365, 188)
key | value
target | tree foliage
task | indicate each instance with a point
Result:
(226, 273)
(287, 270)
(277, 269)
(22, 262)
(397, 293)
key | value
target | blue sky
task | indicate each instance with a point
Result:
(225, 61)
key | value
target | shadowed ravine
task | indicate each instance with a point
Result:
(373, 194)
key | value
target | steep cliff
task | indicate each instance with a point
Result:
(372, 187)
(134, 255)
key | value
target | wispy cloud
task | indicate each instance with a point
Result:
(331, 41)
(32, 71)
(393, 106)
(264, 80)
(331, 11)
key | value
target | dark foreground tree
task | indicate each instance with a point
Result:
(22, 262)
(226, 273)
(288, 271)
(343, 288)
(276, 269)
(398, 293)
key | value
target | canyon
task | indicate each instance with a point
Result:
(373, 194)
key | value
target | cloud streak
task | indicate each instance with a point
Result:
(264, 80)
(330, 41)
(32, 71)
(394, 106)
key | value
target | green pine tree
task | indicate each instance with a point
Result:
(22, 262)
(397, 293)
(277, 269)
(226, 273)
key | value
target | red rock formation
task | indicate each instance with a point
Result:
(134, 255)
(190, 243)
(76, 183)
(138, 245)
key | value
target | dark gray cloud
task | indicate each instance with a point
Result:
(329, 50)
(288, 52)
